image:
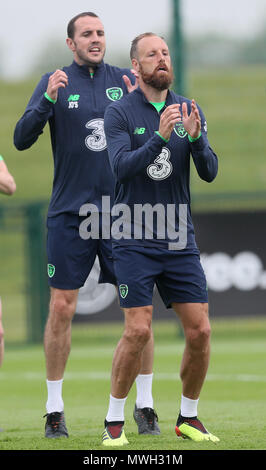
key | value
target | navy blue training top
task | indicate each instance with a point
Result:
(82, 172)
(150, 171)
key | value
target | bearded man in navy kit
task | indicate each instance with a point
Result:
(73, 100)
(151, 136)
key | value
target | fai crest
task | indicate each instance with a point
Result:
(123, 289)
(114, 94)
(50, 270)
(180, 130)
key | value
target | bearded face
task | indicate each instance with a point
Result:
(160, 79)
(88, 43)
(91, 56)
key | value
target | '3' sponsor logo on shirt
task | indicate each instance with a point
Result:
(96, 141)
(161, 168)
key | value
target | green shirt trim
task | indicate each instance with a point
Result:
(1, 158)
(48, 98)
(193, 140)
(158, 133)
(158, 106)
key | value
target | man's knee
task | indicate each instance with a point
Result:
(197, 327)
(138, 330)
(199, 335)
(63, 305)
(138, 334)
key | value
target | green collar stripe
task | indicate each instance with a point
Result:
(158, 106)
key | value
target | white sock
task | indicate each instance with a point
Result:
(144, 391)
(116, 409)
(55, 400)
(189, 408)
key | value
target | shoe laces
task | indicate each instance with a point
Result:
(150, 415)
(54, 419)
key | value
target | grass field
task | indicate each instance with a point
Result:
(232, 402)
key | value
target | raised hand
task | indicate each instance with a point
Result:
(170, 116)
(129, 85)
(192, 122)
(57, 80)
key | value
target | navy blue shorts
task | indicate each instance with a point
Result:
(71, 258)
(178, 276)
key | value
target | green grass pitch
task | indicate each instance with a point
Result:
(232, 401)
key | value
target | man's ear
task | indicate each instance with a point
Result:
(135, 65)
(70, 44)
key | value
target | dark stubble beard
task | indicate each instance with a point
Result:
(156, 81)
(83, 57)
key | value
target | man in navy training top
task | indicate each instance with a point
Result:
(150, 137)
(73, 100)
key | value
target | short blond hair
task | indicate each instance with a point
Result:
(134, 44)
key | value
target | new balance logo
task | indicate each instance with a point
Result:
(139, 130)
(73, 101)
(73, 98)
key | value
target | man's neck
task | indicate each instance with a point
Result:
(152, 94)
(91, 66)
